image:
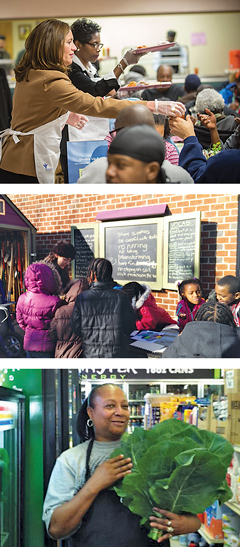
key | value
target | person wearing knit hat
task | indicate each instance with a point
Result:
(60, 257)
(135, 156)
(191, 84)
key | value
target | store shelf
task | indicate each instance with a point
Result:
(135, 416)
(208, 538)
(236, 447)
(136, 401)
(234, 506)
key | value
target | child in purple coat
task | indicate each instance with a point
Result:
(36, 308)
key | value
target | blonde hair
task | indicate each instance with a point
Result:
(44, 49)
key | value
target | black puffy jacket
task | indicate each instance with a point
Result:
(101, 317)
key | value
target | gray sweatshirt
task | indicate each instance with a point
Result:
(95, 173)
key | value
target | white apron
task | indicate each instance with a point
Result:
(96, 129)
(47, 140)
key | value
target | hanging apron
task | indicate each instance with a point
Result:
(96, 129)
(108, 523)
(47, 140)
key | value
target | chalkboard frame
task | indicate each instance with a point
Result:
(158, 221)
(174, 218)
(85, 226)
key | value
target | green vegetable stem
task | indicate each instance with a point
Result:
(154, 533)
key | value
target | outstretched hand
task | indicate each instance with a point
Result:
(77, 120)
(208, 119)
(182, 128)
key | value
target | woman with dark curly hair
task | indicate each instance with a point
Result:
(84, 75)
(213, 334)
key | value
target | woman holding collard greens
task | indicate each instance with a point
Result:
(80, 504)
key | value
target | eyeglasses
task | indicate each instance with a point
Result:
(96, 45)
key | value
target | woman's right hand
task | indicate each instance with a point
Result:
(172, 109)
(110, 471)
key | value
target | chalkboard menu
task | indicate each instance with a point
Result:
(181, 248)
(85, 240)
(134, 249)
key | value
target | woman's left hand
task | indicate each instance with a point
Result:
(173, 525)
(132, 58)
(77, 120)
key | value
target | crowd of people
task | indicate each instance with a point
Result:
(94, 316)
(59, 96)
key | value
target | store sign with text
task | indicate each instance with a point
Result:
(149, 373)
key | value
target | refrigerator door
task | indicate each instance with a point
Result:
(11, 468)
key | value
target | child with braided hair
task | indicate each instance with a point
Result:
(102, 315)
(190, 291)
(212, 334)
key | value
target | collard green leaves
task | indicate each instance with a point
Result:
(176, 467)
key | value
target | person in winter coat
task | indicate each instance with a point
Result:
(213, 334)
(190, 292)
(149, 315)
(36, 308)
(68, 344)
(102, 315)
(63, 252)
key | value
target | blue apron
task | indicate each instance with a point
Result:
(108, 523)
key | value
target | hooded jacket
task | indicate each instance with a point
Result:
(68, 344)
(37, 306)
(149, 313)
(101, 317)
(204, 339)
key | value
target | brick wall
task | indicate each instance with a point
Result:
(53, 214)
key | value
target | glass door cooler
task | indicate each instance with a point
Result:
(12, 410)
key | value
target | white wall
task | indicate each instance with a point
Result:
(222, 34)
(60, 8)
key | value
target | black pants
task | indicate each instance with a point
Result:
(6, 176)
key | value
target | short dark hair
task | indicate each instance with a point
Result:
(231, 281)
(102, 268)
(64, 248)
(83, 29)
(139, 69)
(133, 289)
(161, 119)
(215, 312)
(194, 281)
(84, 431)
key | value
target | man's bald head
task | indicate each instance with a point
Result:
(164, 73)
(134, 115)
